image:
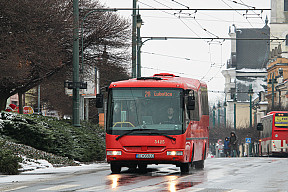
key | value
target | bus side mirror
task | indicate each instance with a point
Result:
(259, 127)
(99, 100)
(191, 103)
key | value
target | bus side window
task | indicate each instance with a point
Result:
(204, 102)
(267, 127)
(194, 114)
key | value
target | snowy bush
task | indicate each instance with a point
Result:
(9, 162)
(59, 137)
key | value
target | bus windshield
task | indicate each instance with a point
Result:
(157, 109)
(281, 120)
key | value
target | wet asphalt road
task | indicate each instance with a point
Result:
(221, 174)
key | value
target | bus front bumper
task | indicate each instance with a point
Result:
(166, 157)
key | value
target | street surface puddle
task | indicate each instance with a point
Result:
(175, 186)
(171, 181)
(117, 180)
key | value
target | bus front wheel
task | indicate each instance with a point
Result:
(184, 167)
(142, 167)
(115, 167)
(199, 164)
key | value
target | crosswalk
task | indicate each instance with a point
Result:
(79, 188)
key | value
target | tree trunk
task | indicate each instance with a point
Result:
(20, 97)
(3, 102)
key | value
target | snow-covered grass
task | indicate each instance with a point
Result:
(29, 153)
(55, 141)
(41, 169)
(29, 164)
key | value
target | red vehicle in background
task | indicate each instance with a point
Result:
(162, 119)
(274, 134)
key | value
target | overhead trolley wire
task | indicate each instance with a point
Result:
(184, 58)
(180, 4)
(175, 72)
(175, 9)
(236, 11)
(213, 20)
(164, 11)
(212, 38)
(162, 4)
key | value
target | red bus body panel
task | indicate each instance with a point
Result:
(277, 143)
(194, 140)
(196, 135)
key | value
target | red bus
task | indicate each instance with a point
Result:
(162, 119)
(274, 134)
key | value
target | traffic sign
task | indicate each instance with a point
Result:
(220, 142)
(28, 110)
(248, 140)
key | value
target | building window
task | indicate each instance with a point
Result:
(285, 5)
(286, 43)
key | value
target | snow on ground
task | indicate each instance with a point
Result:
(32, 164)
(41, 169)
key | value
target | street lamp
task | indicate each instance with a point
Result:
(139, 44)
(272, 81)
(225, 106)
(134, 26)
(234, 101)
(219, 107)
(250, 94)
(214, 109)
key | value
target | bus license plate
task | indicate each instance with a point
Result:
(144, 156)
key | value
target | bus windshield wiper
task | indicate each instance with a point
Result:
(150, 133)
(131, 131)
(156, 133)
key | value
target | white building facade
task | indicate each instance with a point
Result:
(279, 26)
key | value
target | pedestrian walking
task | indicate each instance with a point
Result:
(227, 147)
(233, 144)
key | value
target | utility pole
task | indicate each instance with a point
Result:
(219, 108)
(214, 108)
(235, 101)
(134, 23)
(250, 93)
(225, 105)
(273, 80)
(76, 96)
(139, 44)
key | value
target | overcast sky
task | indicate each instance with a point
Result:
(199, 59)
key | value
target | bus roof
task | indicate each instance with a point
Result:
(165, 80)
(273, 112)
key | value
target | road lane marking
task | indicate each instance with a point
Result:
(16, 188)
(237, 190)
(59, 187)
(191, 189)
(149, 188)
(97, 188)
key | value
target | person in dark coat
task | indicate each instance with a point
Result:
(233, 144)
(227, 147)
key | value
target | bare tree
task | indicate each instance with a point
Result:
(33, 37)
(36, 43)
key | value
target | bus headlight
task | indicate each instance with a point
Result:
(114, 153)
(175, 153)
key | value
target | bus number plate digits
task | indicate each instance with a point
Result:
(159, 141)
(144, 156)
